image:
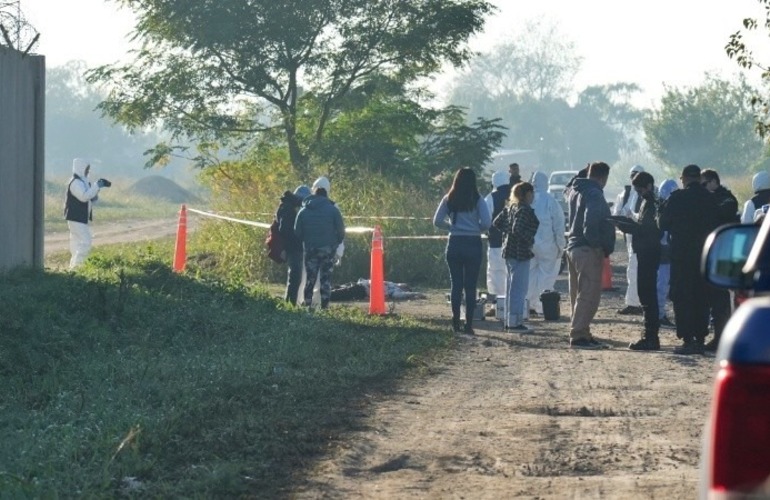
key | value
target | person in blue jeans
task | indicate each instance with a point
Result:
(286, 215)
(519, 224)
(463, 212)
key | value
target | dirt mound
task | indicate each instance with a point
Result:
(158, 187)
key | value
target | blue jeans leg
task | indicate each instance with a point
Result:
(463, 256)
(518, 284)
(294, 262)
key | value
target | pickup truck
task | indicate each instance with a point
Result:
(735, 458)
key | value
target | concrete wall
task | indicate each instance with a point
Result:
(22, 167)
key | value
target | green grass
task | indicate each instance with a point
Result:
(125, 379)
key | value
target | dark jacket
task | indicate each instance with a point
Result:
(588, 212)
(499, 199)
(647, 235)
(727, 206)
(689, 215)
(286, 215)
(519, 225)
(319, 223)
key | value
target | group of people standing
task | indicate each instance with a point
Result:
(313, 232)
(665, 227)
(525, 227)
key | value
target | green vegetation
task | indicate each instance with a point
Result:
(125, 379)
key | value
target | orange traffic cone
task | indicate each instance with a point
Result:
(377, 277)
(607, 276)
(180, 252)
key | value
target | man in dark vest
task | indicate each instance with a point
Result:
(80, 196)
(689, 215)
(496, 269)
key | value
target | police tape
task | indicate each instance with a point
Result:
(366, 217)
(349, 229)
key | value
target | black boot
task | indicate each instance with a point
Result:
(646, 343)
(468, 330)
(457, 327)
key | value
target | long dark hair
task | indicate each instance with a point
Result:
(464, 194)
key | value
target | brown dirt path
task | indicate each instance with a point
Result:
(509, 416)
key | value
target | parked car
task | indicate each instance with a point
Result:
(735, 459)
(558, 180)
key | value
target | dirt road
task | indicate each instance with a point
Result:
(117, 232)
(510, 416)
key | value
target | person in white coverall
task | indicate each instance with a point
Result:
(496, 201)
(78, 202)
(549, 243)
(664, 268)
(760, 184)
(628, 204)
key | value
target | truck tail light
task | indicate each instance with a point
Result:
(740, 453)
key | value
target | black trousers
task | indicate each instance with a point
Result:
(689, 293)
(720, 309)
(647, 288)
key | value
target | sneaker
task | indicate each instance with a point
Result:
(631, 310)
(601, 345)
(666, 323)
(457, 326)
(468, 329)
(690, 347)
(711, 345)
(645, 344)
(584, 344)
(522, 329)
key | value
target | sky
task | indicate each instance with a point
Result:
(650, 43)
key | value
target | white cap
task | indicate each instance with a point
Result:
(760, 181)
(500, 178)
(636, 169)
(322, 183)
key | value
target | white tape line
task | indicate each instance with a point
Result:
(351, 229)
(247, 222)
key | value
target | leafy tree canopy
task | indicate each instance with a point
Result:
(711, 125)
(215, 70)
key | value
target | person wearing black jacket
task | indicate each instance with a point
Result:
(689, 215)
(646, 245)
(286, 216)
(727, 213)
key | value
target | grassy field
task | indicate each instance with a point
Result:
(125, 379)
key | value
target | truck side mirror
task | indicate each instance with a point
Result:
(725, 253)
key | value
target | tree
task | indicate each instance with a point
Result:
(738, 49)
(538, 63)
(218, 70)
(711, 125)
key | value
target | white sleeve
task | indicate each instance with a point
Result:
(617, 209)
(83, 191)
(340, 250)
(748, 212)
(490, 203)
(557, 223)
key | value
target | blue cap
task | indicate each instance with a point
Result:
(302, 192)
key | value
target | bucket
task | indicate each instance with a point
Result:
(500, 308)
(478, 312)
(550, 300)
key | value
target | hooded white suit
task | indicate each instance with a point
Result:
(80, 191)
(549, 242)
(628, 209)
(497, 272)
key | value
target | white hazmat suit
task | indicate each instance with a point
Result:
(549, 242)
(629, 210)
(497, 271)
(78, 201)
(760, 184)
